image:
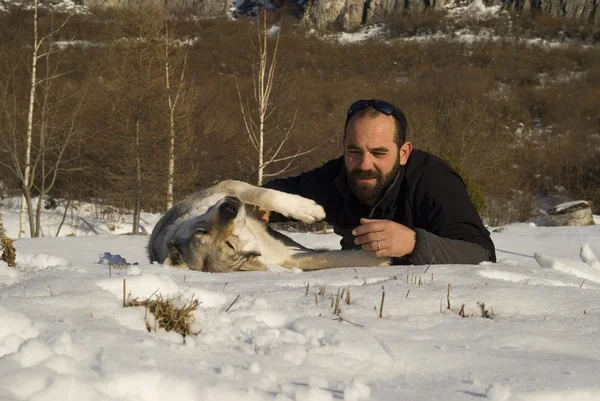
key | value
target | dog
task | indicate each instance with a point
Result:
(211, 231)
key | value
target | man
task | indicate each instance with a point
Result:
(393, 200)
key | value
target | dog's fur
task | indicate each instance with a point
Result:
(211, 231)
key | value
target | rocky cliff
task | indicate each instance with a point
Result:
(584, 10)
(351, 14)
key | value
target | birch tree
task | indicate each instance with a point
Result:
(175, 91)
(60, 139)
(15, 141)
(260, 111)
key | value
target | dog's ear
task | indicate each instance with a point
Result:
(253, 265)
(258, 212)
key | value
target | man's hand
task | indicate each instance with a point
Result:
(384, 238)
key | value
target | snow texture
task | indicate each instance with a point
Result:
(64, 334)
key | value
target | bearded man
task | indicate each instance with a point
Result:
(391, 199)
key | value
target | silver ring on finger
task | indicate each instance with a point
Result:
(378, 245)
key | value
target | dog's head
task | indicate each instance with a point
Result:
(216, 241)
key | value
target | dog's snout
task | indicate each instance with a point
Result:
(229, 209)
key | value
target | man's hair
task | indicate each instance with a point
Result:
(371, 112)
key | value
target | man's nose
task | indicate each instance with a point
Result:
(365, 162)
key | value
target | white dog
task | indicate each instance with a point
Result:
(211, 231)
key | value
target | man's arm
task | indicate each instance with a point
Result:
(314, 184)
(454, 232)
(451, 230)
(385, 238)
(430, 248)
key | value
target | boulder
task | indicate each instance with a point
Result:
(575, 213)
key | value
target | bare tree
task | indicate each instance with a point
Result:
(136, 79)
(175, 93)
(260, 112)
(19, 140)
(60, 138)
(26, 176)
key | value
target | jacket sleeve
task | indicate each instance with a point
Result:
(454, 232)
(432, 249)
(314, 184)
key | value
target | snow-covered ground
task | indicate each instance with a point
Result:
(61, 6)
(64, 334)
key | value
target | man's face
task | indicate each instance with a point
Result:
(371, 157)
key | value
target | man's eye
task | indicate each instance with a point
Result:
(379, 154)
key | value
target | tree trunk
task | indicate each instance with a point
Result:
(171, 171)
(26, 198)
(29, 203)
(138, 194)
(38, 215)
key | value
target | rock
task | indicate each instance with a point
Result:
(350, 15)
(576, 213)
(584, 10)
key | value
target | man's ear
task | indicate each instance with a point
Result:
(253, 265)
(404, 152)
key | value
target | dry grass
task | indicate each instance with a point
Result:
(9, 254)
(468, 101)
(168, 313)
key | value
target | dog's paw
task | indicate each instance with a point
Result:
(303, 209)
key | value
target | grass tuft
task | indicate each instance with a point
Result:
(168, 314)
(9, 254)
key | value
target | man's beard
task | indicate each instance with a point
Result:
(366, 192)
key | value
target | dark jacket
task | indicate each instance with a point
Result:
(426, 196)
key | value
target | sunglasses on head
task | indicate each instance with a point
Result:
(381, 106)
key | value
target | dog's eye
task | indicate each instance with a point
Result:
(200, 231)
(229, 244)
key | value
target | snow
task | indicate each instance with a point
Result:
(369, 32)
(64, 334)
(63, 6)
(461, 36)
(474, 10)
(567, 205)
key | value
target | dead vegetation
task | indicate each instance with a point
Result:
(510, 115)
(169, 314)
(9, 254)
(483, 311)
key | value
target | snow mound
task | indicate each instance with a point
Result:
(15, 329)
(586, 269)
(40, 260)
(8, 274)
(588, 256)
(142, 287)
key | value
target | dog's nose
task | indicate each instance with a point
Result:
(229, 209)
